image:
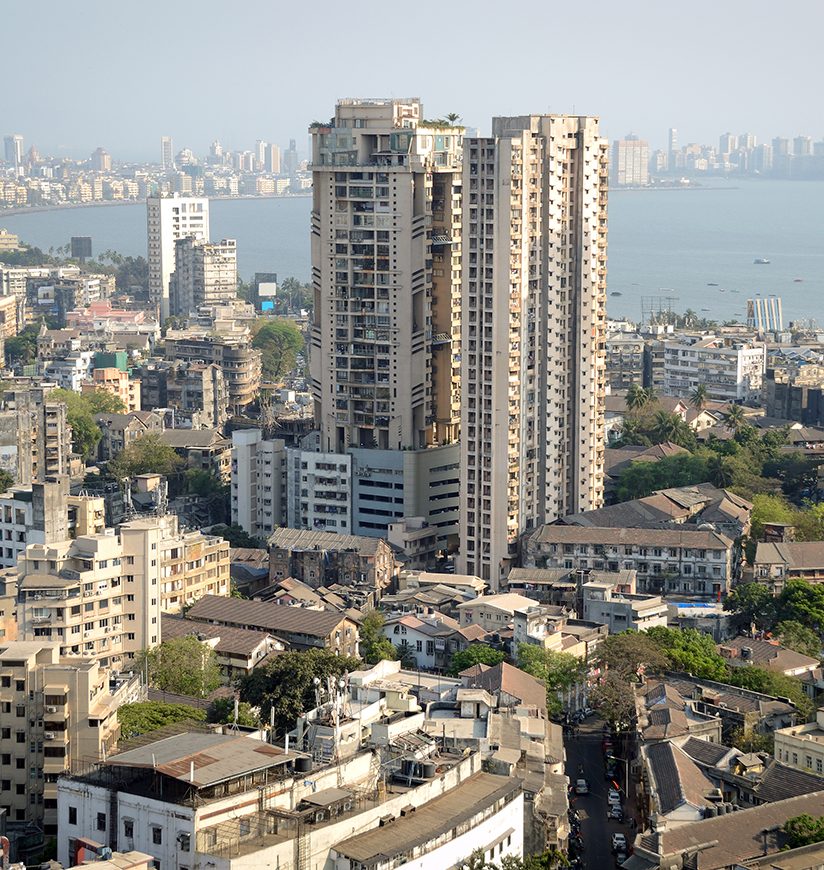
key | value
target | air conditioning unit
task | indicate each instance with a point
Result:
(51, 709)
(49, 735)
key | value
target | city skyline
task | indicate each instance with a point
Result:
(667, 71)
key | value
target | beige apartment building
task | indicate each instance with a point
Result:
(118, 383)
(386, 258)
(100, 596)
(533, 332)
(233, 353)
(205, 274)
(54, 712)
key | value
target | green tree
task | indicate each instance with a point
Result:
(475, 654)
(752, 741)
(614, 698)
(148, 454)
(204, 483)
(6, 480)
(802, 602)
(374, 645)
(768, 508)
(798, 637)
(735, 418)
(690, 651)
(796, 472)
(752, 603)
(558, 671)
(80, 416)
(636, 398)
(182, 665)
(286, 685)
(720, 471)
(630, 651)
(103, 402)
(280, 341)
(699, 397)
(222, 710)
(238, 537)
(640, 479)
(147, 716)
(804, 830)
(633, 432)
(405, 655)
(21, 349)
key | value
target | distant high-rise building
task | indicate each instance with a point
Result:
(101, 160)
(762, 158)
(630, 162)
(166, 153)
(672, 140)
(169, 219)
(290, 159)
(13, 149)
(216, 152)
(533, 311)
(272, 162)
(727, 143)
(802, 146)
(260, 154)
(781, 146)
(205, 274)
(747, 140)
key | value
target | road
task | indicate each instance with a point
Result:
(585, 749)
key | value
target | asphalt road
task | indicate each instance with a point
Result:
(585, 749)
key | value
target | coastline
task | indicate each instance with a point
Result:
(66, 206)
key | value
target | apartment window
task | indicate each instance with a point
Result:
(157, 835)
(809, 761)
(72, 815)
(795, 758)
(128, 828)
(418, 646)
(101, 821)
(819, 765)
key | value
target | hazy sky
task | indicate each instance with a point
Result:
(121, 74)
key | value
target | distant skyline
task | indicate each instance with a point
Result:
(121, 76)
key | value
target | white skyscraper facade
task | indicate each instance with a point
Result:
(169, 219)
(533, 332)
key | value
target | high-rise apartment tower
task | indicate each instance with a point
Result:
(533, 332)
(386, 272)
(167, 160)
(169, 219)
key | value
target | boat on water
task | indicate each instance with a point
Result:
(705, 309)
(616, 293)
(722, 290)
(797, 280)
(711, 284)
(734, 291)
(761, 261)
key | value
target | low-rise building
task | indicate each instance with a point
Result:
(802, 745)
(602, 603)
(202, 449)
(326, 558)
(299, 627)
(775, 564)
(493, 612)
(693, 562)
(770, 655)
(121, 430)
(116, 382)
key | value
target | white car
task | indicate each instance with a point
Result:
(581, 787)
(619, 843)
(614, 797)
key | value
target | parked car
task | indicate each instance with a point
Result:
(619, 842)
(581, 786)
(620, 857)
(615, 813)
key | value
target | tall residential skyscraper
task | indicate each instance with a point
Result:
(13, 149)
(533, 329)
(169, 219)
(166, 153)
(630, 162)
(205, 274)
(386, 273)
(272, 162)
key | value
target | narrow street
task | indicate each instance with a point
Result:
(596, 829)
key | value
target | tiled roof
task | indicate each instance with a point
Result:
(675, 778)
(691, 538)
(797, 555)
(780, 781)
(763, 653)
(306, 539)
(504, 677)
(265, 615)
(704, 752)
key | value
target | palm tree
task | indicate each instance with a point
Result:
(636, 397)
(651, 397)
(698, 397)
(735, 418)
(453, 118)
(666, 426)
(720, 471)
(633, 433)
